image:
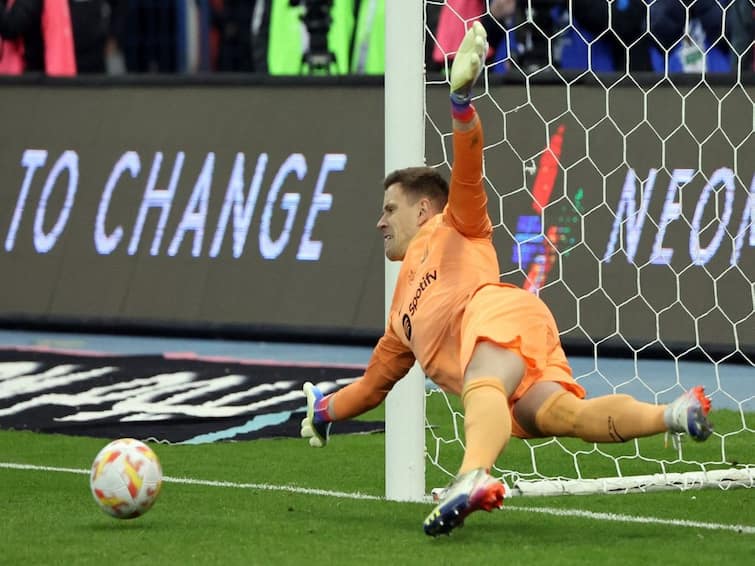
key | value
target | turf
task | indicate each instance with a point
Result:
(50, 517)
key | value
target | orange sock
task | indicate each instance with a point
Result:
(487, 422)
(611, 418)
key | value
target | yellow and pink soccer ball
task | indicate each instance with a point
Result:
(125, 479)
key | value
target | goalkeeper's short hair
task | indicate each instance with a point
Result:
(420, 182)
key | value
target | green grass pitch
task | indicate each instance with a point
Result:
(263, 516)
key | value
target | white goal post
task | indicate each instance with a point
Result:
(640, 235)
(404, 147)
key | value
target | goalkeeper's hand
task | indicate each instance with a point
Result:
(468, 63)
(313, 426)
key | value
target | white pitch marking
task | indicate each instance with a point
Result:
(210, 483)
(748, 529)
(633, 519)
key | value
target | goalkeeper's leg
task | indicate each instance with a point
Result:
(546, 409)
(491, 372)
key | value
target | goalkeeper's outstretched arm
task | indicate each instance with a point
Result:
(465, 71)
(356, 399)
(389, 362)
(467, 200)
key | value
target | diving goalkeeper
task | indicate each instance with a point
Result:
(494, 344)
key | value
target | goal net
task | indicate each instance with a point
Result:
(619, 169)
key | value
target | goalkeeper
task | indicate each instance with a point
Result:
(494, 344)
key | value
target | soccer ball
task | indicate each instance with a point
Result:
(125, 478)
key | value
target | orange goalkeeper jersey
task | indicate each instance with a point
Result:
(450, 257)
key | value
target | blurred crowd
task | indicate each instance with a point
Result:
(621, 35)
(293, 37)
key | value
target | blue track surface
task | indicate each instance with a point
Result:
(731, 385)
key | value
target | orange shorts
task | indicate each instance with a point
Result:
(517, 320)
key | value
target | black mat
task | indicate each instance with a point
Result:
(174, 399)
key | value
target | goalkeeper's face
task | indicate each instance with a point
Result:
(401, 219)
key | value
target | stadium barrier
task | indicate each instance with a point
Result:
(235, 207)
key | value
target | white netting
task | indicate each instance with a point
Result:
(620, 172)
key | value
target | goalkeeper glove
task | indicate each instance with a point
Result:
(316, 425)
(467, 66)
